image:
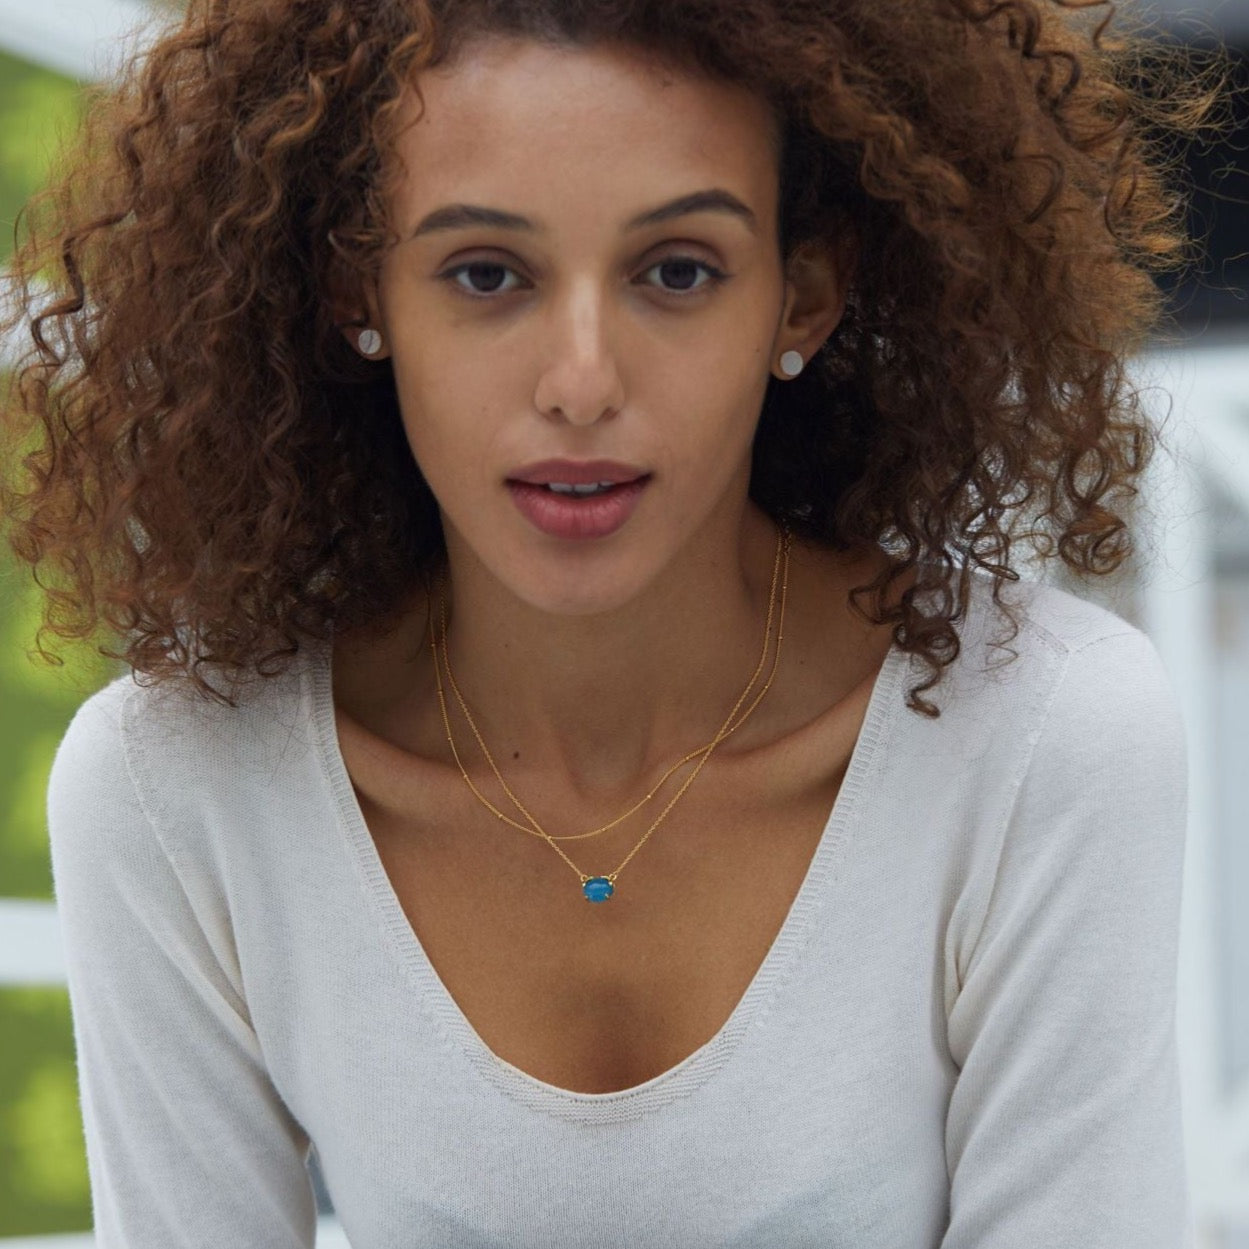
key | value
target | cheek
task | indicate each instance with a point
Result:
(725, 390)
(430, 372)
(452, 416)
(727, 364)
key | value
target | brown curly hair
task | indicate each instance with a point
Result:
(211, 471)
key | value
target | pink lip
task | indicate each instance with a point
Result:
(566, 516)
(577, 472)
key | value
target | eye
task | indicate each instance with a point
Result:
(681, 274)
(486, 277)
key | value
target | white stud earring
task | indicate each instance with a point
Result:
(370, 342)
(792, 363)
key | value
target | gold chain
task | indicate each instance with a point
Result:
(724, 730)
(604, 885)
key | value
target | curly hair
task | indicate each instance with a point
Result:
(211, 472)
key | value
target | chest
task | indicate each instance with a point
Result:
(598, 997)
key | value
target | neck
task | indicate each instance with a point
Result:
(609, 700)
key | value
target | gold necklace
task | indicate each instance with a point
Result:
(725, 731)
(600, 888)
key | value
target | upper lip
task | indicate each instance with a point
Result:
(576, 473)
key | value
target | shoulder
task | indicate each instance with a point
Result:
(1078, 644)
(1113, 699)
(1104, 660)
(1071, 770)
(160, 747)
(89, 766)
(1093, 710)
(142, 710)
(1075, 688)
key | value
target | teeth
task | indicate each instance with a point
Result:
(590, 488)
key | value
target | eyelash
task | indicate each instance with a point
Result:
(716, 276)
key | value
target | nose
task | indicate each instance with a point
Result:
(580, 380)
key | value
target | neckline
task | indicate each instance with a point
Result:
(692, 1071)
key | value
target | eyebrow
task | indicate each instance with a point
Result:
(461, 216)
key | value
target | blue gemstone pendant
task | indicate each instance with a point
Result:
(598, 889)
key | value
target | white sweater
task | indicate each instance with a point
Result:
(964, 1035)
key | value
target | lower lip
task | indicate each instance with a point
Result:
(567, 516)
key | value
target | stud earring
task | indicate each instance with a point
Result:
(370, 342)
(792, 363)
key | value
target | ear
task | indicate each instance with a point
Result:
(818, 277)
(355, 308)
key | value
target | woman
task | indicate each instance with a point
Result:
(805, 302)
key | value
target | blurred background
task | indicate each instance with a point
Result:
(1188, 589)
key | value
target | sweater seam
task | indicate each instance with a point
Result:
(135, 756)
(1064, 652)
(138, 772)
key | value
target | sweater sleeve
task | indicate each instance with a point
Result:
(188, 1143)
(1064, 1126)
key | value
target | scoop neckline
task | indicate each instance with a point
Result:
(695, 1069)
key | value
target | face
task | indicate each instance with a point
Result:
(590, 313)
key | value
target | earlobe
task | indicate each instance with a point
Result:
(364, 338)
(792, 363)
(358, 320)
(370, 343)
(816, 284)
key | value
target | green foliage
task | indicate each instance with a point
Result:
(43, 1162)
(43, 1169)
(38, 111)
(43, 1175)
(36, 705)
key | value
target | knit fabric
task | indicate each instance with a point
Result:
(963, 1036)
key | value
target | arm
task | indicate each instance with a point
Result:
(1064, 1125)
(188, 1143)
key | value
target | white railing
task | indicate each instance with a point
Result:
(30, 943)
(329, 1236)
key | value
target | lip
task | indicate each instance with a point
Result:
(562, 516)
(577, 472)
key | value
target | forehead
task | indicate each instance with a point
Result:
(527, 118)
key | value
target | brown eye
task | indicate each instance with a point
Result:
(485, 277)
(680, 274)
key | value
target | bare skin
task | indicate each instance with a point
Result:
(591, 666)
